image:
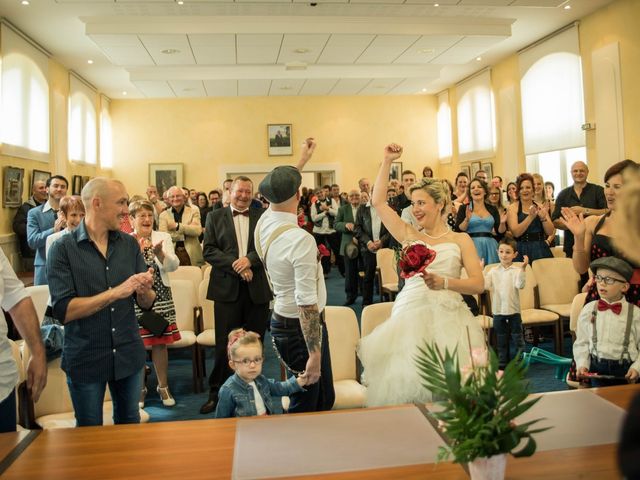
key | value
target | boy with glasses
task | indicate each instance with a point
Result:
(607, 346)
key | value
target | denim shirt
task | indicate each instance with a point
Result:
(235, 398)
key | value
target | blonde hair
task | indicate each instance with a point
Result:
(437, 189)
(239, 338)
(626, 219)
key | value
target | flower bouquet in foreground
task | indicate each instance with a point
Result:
(477, 408)
(414, 258)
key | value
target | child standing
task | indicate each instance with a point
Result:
(608, 332)
(247, 392)
(504, 281)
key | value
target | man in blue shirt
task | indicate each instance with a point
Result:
(95, 274)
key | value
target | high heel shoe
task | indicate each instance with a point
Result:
(165, 396)
(143, 394)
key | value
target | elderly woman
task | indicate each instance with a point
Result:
(157, 249)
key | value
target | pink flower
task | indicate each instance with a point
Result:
(479, 357)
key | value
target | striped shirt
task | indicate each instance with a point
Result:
(106, 345)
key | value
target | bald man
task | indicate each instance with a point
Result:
(38, 197)
(582, 197)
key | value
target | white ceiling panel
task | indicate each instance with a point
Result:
(252, 88)
(113, 40)
(427, 48)
(258, 49)
(376, 1)
(318, 86)
(152, 89)
(349, 86)
(412, 86)
(344, 48)
(213, 49)
(302, 48)
(467, 49)
(221, 88)
(126, 56)
(486, 3)
(188, 88)
(285, 87)
(380, 86)
(157, 45)
(386, 48)
(538, 3)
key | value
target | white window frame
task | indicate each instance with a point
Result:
(83, 126)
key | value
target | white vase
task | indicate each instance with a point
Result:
(491, 468)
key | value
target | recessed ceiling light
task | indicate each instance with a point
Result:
(90, 62)
(180, 2)
(478, 59)
(424, 89)
(301, 50)
(25, 2)
(169, 51)
(124, 93)
(436, 4)
(567, 7)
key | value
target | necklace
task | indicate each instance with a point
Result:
(439, 236)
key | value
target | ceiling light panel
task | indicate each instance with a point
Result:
(221, 88)
(343, 48)
(427, 48)
(258, 49)
(313, 44)
(155, 44)
(285, 87)
(318, 86)
(386, 48)
(380, 86)
(349, 86)
(188, 88)
(154, 89)
(213, 49)
(253, 88)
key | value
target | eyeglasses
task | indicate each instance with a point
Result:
(248, 361)
(608, 280)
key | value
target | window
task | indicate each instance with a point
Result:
(82, 122)
(444, 128)
(555, 166)
(476, 118)
(24, 117)
(106, 138)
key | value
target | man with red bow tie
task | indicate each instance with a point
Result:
(238, 285)
(607, 346)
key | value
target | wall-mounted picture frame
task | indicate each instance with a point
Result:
(466, 169)
(12, 186)
(475, 168)
(395, 173)
(39, 176)
(488, 167)
(279, 139)
(166, 175)
(76, 185)
(85, 180)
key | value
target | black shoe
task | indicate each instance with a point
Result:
(211, 404)
(350, 301)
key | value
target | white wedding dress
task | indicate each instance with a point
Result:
(418, 315)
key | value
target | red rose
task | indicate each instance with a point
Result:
(413, 259)
(421, 250)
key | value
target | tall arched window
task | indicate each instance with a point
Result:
(106, 137)
(476, 118)
(444, 128)
(82, 122)
(24, 114)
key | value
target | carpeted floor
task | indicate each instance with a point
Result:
(188, 403)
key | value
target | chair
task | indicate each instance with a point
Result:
(206, 271)
(540, 355)
(207, 335)
(388, 275)
(373, 315)
(342, 326)
(187, 272)
(187, 315)
(40, 298)
(17, 358)
(576, 308)
(557, 252)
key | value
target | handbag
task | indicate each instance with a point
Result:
(154, 322)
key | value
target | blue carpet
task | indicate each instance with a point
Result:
(188, 403)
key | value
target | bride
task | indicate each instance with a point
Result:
(429, 308)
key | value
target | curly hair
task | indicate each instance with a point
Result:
(436, 188)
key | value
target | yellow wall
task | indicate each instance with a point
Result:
(203, 134)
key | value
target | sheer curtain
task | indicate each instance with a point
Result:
(82, 122)
(476, 118)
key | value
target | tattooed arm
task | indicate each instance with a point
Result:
(311, 330)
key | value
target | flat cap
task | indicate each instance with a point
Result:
(280, 184)
(614, 264)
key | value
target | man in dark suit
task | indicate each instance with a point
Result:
(403, 200)
(238, 285)
(345, 224)
(372, 236)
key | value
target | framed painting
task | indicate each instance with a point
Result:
(76, 185)
(166, 175)
(395, 173)
(279, 136)
(85, 180)
(12, 187)
(475, 168)
(39, 176)
(488, 167)
(467, 170)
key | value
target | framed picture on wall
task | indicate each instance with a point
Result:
(475, 168)
(488, 167)
(466, 169)
(85, 180)
(12, 187)
(396, 171)
(165, 176)
(76, 185)
(279, 136)
(39, 176)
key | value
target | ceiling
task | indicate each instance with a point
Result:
(205, 48)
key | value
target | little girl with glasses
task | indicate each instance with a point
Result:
(247, 392)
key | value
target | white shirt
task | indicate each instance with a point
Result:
(241, 225)
(53, 237)
(47, 206)
(324, 228)
(335, 205)
(504, 284)
(354, 212)
(292, 264)
(610, 329)
(259, 401)
(12, 291)
(407, 216)
(376, 223)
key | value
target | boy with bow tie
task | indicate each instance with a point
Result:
(608, 332)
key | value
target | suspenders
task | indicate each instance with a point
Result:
(627, 333)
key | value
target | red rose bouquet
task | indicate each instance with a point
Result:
(414, 259)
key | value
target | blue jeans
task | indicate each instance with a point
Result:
(8, 413)
(502, 324)
(88, 399)
(291, 346)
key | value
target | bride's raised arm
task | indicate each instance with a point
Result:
(389, 217)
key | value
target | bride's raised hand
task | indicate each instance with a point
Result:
(392, 152)
(573, 222)
(433, 281)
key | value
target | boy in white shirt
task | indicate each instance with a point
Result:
(608, 333)
(504, 281)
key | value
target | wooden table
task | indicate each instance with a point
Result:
(204, 449)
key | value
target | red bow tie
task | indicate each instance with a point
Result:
(614, 307)
(245, 213)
